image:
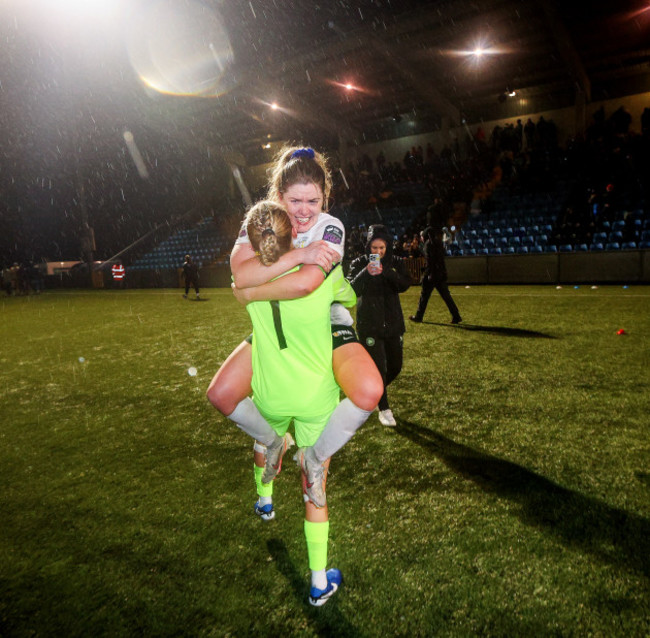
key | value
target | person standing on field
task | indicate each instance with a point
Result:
(191, 276)
(435, 276)
(378, 277)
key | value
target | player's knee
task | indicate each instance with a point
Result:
(367, 392)
(220, 397)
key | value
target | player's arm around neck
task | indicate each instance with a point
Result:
(292, 286)
(247, 270)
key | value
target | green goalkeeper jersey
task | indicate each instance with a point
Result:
(292, 350)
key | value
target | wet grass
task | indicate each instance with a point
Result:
(512, 499)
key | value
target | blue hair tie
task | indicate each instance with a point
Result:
(307, 153)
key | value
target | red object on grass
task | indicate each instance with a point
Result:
(621, 332)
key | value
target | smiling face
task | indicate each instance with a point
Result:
(378, 247)
(303, 203)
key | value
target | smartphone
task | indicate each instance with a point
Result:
(374, 258)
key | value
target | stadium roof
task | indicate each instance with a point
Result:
(212, 70)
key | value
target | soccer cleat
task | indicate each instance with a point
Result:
(456, 319)
(273, 458)
(415, 319)
(386, 417)
(265, 512)
(318, 597)
(313, 474)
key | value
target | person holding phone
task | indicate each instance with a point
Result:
(378, 277)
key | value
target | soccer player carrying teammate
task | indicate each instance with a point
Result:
(301, 183)
(293, 380)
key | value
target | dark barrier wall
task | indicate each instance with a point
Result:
(630, 266)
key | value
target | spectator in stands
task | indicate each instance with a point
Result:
(529, 133)
(380, 322)
(435, 276)
(191, 276)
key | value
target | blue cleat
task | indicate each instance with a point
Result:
(265, 512)
(318, 597)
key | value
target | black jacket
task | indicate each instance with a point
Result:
(379, 312)
(190, 271)
(434, 252)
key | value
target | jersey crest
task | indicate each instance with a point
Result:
(332, 234)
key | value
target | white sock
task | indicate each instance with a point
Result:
(248, 418)
(319, 579)
(346, 419)
(264, 500)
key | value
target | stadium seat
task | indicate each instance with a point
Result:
(628, 245)
(536, 249)
(599, 238)
(522, 250)
(550, 249)
(644, 245)
(615, 236)
(596, 247)
(581, 248)
(566, 248)
(509, 250)
(612, 245)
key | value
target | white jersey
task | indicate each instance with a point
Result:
(327, 228)
(331, 230)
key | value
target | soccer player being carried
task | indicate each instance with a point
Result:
(300, 182)
(293, 381)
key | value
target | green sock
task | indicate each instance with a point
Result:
(317, 535)
(263, 489)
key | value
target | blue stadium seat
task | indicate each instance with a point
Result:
(596, 247)
(482, 251)
(582, 248)
(599, 238)
(566, 248)
(494, 250)
(471, 251)
(528, 240)
(509, 250)
(644, 245)
(515, 241)
(522, 250)
(536, 249)
(615, 236)
(629, 245)
(612, 245)
(550, 249)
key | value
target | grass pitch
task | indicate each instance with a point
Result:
(512, 499)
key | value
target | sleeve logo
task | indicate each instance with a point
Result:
(333, 235)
